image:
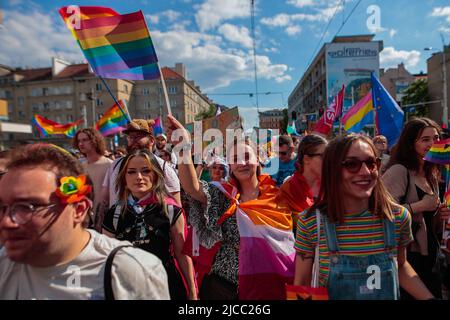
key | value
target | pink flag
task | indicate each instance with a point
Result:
(333, 111)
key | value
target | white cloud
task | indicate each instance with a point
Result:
(236, 34)
(392, 33)
(222, 66)
(272, 49)
(15, 2)
(23, 43)
(171, 15)
(154, 19)
(444, 30)
(390, 57)
(301, 3)
(293, 30)
(280, 20)
(211, 13)
(441, 12)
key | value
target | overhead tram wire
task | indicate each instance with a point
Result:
(346, 19)
(254, 52)
(323, 34)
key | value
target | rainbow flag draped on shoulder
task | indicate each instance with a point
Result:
(113, 121)
(47, 127)
(266, 249)
(116, 46)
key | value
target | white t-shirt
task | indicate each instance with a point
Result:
(97, 171)
(135, 275)
(172, 182)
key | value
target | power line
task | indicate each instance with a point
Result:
(254, 50)
(346, 19)
(323, 35)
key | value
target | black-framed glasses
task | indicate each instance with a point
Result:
(22, 212)
(283, 153)
(353, 165)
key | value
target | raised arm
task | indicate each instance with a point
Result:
(182, 149)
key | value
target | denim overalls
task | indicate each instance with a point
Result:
(372, 277)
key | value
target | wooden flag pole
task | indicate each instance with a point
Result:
(125, 113)
(166, 97)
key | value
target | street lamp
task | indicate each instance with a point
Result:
(444, 86)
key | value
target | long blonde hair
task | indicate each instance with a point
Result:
(159, 188)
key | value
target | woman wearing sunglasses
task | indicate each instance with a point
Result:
(413, 183)
(363, 232)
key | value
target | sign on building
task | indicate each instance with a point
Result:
(351, 64)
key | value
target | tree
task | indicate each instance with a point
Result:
(211, 112)
(417, 92)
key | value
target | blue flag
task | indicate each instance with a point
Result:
(389, 114)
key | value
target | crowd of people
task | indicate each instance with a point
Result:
(146, 222)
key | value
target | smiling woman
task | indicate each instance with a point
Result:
(361, 229)
(151, 219)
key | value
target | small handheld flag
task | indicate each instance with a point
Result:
(439, 152)
(113, 120)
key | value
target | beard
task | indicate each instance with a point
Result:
(140, 144)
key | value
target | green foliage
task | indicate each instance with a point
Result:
(211, 112)
(417, 92)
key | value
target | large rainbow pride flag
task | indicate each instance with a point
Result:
(47, 127)
(113, 121)
(116, 46)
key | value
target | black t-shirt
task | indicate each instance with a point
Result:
(146, 227)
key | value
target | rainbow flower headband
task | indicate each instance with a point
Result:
(73, 189)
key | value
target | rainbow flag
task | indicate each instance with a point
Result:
(116, 46)
(157, 127)
(439, 152)
(113, 121)
(306, 293)
(47, 127)
(359, 115)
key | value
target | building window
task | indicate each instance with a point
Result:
(82, 96)
(125, 88)
(147, 104)
(20, 101)
(99, 102)
(172, 89)
(57, 105)
(145, 91)
(69, 118)
(98, 86)
(35, 92)
(69, 104)
(34, 107)
(46, 106)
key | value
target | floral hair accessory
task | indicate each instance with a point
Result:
(73, 189)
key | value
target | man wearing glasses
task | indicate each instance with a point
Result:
(285, 160)
(48, 254)
(139, 136)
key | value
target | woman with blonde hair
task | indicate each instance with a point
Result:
(362, 230)
(148, 217)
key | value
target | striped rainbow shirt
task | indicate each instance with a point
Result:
(359, 235)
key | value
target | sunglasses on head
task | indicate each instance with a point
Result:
(353, 165)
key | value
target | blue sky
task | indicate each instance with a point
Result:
(213, 38)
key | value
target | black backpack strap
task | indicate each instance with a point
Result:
(107, 286)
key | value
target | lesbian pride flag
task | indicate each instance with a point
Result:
(266, 249)
(113, 121)
(116, 46)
